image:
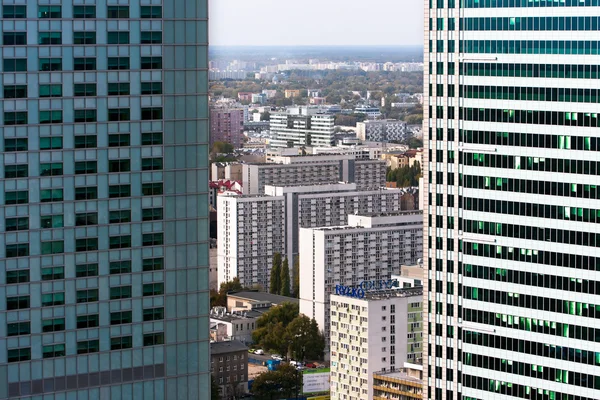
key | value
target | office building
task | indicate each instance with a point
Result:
(511, 237)
(369, 247)
(301, 126)
(378, 332)
(370, 111)
(104, 226)
(382, 130)
(227, 125)
(229, 367)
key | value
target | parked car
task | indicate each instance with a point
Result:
(276, 357)
(251, 351)
(300, 367)
(260, 352)
(310, 365)
(293, 363)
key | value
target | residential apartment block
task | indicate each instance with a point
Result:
(229, 367)
(378, 332)
(227, 125)
(382, 130)
(104, 213)
(301, 126)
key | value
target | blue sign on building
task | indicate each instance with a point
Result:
(359, 291)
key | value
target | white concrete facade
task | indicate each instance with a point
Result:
(301, 126)
(384, 130)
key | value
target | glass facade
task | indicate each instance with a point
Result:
(512, 204)
(103, 192)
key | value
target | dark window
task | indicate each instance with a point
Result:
(116, 191)
(15, 64)
(117, 12)
(84, 270)
(17, 302)
(19, 328)
(50, 38)
(10, 12)
(152, 239)
(53, 273)
(84, 37)
(53, 299)
(84, 89)
(50, 64)
(152, 113)
(120, 267)
(152, 164)
(50, 195)
(123, 342)
(17, 250)
(19, 197)
(118, 63)
(87, 244)
(51, 142)
(119, 140)
(17, 355)
(120, 37)
(15, 92)
(121, 292)
(154, 314)
(49, 12)
(89, 346)
(17, 276)
(86, 167)
(154, 289)
(153, 264)
(83, 219)
(54, 90)
(51, 169)
(152, 214)
(53, 247)
(17, 224)
(151, 37)
(85, 115)
(84, 11)
(119, 165)
(87, 295)
(120, 242)
(152, 189)
(153, 339)
(152, 138)
(84, 64)
(151, 87)
(16, 171)
(51, 221)
(151, 11)
(51, 117)
(14, 38)
(15, 118)
(86, 193)
(118, 89)
(15, 144)
(87, 321)
(53, 325)
(86, 141)
(118, 114)
(54, 350)
(151, 62)
(120, 216)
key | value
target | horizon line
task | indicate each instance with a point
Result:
(316, 45)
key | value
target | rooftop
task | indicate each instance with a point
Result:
(388, 293)
(398, 374)
(263, 297)
(227, 347)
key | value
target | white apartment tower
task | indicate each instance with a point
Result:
(301, 126)
(511, 199)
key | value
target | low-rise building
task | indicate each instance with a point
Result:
(382, 130)
(370, 111)
(291, 93)
(229, 368)
(226, 170)
(400, 384)
(246, 301)
(239, 325)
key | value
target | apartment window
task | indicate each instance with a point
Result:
(47, 38)
(152, 239)
(15, 118)
(151, 62)
(151, 11)
(20, 144)
(17, 302)
(120, 267)
(119, 140)
(120, 37)
(88, 346)
(117, 12)
(53, 325)
(18, 197)
(51, 169)
(120, 242)
(84, 89)
(85, 116)
(87, 295)
(85, 141)
(152, 138)
(153, 289)
(86, 270)
(84, 37)
(51, 221)
(86, 193)
(118, 89)
(86, 167)
(16, 171)
(153, 339)
(119, 165)
(115, 63)
(53, 273)
(49, 12)
(17, 355)
(14, 38)
(51, 117)
(152, 214)
(120, 317)
(17, 224)
(115, 191)
(15, 91)
(53, 350)
(120, 216)
(50, 64)
(152, 164)
(118, 114)
(87, 244)
(84, 11)
(123, 342)
(151, 113)
(154, 314)
(84, 64)
(15, 65)
(13, 12)
(152, 189)
(51, 142)
(151, 87)
(151, 37)
(53, 299)
(18, 328)
(54, 90)
(51, 195)
(17, 276)
(153, 264)
(83, 219)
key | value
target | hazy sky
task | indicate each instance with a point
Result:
(316, 22)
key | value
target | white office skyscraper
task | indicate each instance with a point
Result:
(512, 201)
(103, 199)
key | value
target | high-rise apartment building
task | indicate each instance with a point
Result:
(511, 199)
(382, 130)
(301, 126)
(227, 125)
(103, 192)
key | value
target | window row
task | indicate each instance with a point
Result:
(81, 193)
(529, 46)
(532, 348)
(80, 64)
(88, 115)
(527, 3)
(570, 71)
(81, 167)
(82, 11)
(83, 141)
(87, 244)
(564, 142)
(560, 118)
(560, 165)
(530, 93)
(530, 24)
(80, 38)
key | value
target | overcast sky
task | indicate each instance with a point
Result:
(316, 22)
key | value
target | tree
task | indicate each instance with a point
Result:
(281, 383)
(284, 281)
(215, 390)
(296, 277)
(271, 327)
(275, 284)
(265, 116)
(222, 148)
(306, 340)
(219, 299)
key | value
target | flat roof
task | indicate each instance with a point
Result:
(263, 297)
(227, 347)
(398, 375)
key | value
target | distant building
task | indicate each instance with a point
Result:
(301, 126)
(318, 100)
(410, 275)
(291, 93)
(399, 384)
(220, 75)
(229, 368)
(227, 125)
(222, 185)
(245, 96)
(238, 325)
(270, 93)
(396, 160)
(259, 98)
(226, 170)
(246, 301)
(385, 130)
(372, 112)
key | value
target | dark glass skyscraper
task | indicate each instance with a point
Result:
(103, 192)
